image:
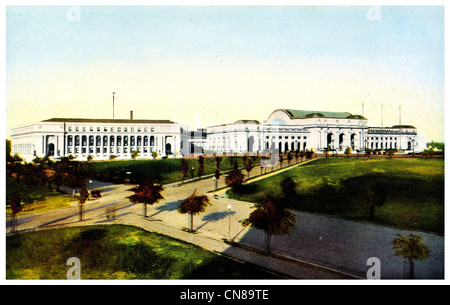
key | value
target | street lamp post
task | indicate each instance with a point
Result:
(229, 222)
(90, 189)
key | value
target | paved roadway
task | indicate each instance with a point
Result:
(319, 246)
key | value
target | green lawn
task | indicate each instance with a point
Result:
(334, 186)
(163, 170)
(36, 198)
(117, 252)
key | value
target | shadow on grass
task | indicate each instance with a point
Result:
(412, 201)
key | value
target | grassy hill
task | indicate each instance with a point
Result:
(336, 186)
(117, 252)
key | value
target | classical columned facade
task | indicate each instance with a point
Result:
(284, 130)
(102, 146)
(403, 138)
(101, 139)
(289, 130)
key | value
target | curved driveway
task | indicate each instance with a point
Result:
(333, 243)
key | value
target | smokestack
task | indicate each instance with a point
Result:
(131, 115)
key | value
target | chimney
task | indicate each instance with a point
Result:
(131, 115)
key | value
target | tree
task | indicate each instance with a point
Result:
(184, 169)
(134, 154)
(84, 196)
(248, 165)
(270, 217)
(411, 248)
(231, 161)
(309, 154)
(14, 205)
(216, 178)
(280, 158)
(146, 193)
(9, 158)
(391, 152)
(17, 159)
(375, 194)
(218, 160)
(348, 151)
(302, 155)
(296, 155)
(60, 173)
(289, 158)
(235, 179)
(76, 173)
(194, 205)
(201, 166)
(154, 155)
(90, 158)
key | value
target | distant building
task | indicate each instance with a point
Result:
(284, 130)
(99, 138)
(288, 130)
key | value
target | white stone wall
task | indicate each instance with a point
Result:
(99, 140)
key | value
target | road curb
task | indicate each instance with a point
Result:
(295, 260)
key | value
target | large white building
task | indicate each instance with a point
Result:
(99, 138)
(284, 130)
(288, 130)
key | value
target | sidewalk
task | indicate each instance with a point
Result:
(282, 266)
(319, 246)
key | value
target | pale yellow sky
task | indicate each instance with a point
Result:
(204, 93)
(208, 65)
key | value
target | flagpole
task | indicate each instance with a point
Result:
(113, 104)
